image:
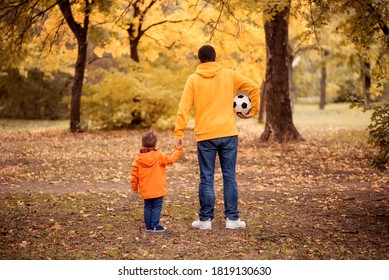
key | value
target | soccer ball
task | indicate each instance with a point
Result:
(242, 104)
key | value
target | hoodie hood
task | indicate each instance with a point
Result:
(147, 159)
(208, 69)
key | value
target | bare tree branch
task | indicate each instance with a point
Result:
(14, 13)
(214, 27)
(164, 21)
(124, 13)
(372, 11)
(314, 26)
(149, 7)
(65, 7)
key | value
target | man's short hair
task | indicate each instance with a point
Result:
(149, 140)
(206, 54)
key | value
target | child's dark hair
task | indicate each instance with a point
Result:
(149, 140)
(206, 54)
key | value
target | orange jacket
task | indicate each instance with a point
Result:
(148, 172)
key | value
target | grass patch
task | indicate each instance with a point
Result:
(12, 125)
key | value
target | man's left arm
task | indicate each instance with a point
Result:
(242, 83)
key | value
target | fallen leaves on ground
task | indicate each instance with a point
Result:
(66, 196)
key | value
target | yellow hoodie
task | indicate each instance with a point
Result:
(211, 91)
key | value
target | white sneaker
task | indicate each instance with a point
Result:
(230, 224)
(202, 224)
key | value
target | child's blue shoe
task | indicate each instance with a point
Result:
(157, 229)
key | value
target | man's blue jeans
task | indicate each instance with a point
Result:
(227, 150)
(152, 212)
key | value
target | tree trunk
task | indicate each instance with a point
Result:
(262, 112)
(323, 82)
(80, 32)
(366, 83)
(75, 103)
(279, 125)
(134, 43)
(135, 30)
(290, 76)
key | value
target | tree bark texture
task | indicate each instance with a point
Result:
(366, 83)
(80, 32)
(323, 84)
(75, 103)
(323, 81)
(279, 125)
(135, 31)
(290, 75)
(262, 112)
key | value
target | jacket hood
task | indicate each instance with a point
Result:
(208, 69)
(147, 159)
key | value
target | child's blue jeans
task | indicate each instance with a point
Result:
(152, 212)
(227, 149)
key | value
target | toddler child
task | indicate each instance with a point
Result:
(148, 177)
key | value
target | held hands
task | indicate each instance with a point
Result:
(178, 144)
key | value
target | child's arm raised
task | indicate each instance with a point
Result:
(177, 153)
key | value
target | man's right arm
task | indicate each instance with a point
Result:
(184, 108)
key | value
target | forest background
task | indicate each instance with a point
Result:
(139, 54)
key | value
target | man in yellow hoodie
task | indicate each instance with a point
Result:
(210, 91)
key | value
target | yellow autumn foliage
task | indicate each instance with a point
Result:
(132, 97)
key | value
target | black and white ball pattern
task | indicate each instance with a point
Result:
(242, 104)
